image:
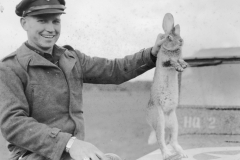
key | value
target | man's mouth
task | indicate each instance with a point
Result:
(48, 36)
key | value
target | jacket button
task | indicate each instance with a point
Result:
(54, 132)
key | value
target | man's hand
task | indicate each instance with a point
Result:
(81, 150)
(160, 39)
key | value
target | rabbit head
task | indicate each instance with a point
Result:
(173, 41)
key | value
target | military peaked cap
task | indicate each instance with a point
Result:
(36, 7)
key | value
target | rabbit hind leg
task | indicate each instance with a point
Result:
(173, 127)
(156, 120)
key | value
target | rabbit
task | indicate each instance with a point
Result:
(164, 96)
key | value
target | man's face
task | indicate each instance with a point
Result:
(43, 30)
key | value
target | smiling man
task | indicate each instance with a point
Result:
(41, 87)
(43, 30)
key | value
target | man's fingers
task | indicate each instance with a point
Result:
(81, 150)
(162, 39)
(86, 158)
(161, 36)
(94, 157)
(101, 156)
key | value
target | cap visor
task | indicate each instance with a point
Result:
(45, 11)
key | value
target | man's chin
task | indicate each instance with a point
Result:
(46, 48)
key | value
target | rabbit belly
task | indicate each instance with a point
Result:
(165, 92)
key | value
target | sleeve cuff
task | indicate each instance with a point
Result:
(61, 142)
(148, 58)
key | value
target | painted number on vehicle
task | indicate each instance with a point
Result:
(212, 122)
(195, 122)
(192, 122)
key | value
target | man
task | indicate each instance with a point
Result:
(41, 87)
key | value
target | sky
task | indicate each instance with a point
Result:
(116, 28)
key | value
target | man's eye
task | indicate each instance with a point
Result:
(56, 22)
(41, 20)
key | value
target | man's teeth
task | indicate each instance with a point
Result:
(47, 36)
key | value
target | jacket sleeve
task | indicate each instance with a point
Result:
(18, 127)
(104, 71)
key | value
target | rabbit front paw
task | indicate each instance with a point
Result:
(182, 63)
(179, 68)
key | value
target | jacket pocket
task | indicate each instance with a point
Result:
(24, 155)
(33, 156)
(40, 99)
(16, 152)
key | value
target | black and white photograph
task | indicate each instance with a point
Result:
(120, 80)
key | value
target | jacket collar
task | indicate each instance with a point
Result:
(27, 57)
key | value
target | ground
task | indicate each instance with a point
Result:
(115, 122)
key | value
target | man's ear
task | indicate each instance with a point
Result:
(23, 22)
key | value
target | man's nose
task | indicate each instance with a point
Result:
(49, 27)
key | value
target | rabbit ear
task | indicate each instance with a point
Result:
(177, 29)
(168, 23)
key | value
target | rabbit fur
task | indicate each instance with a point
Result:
(164, 97)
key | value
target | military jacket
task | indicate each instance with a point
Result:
(41, 103)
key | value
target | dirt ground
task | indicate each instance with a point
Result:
(115, 122)
(120, 126)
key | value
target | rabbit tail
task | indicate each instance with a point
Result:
(152, 138)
